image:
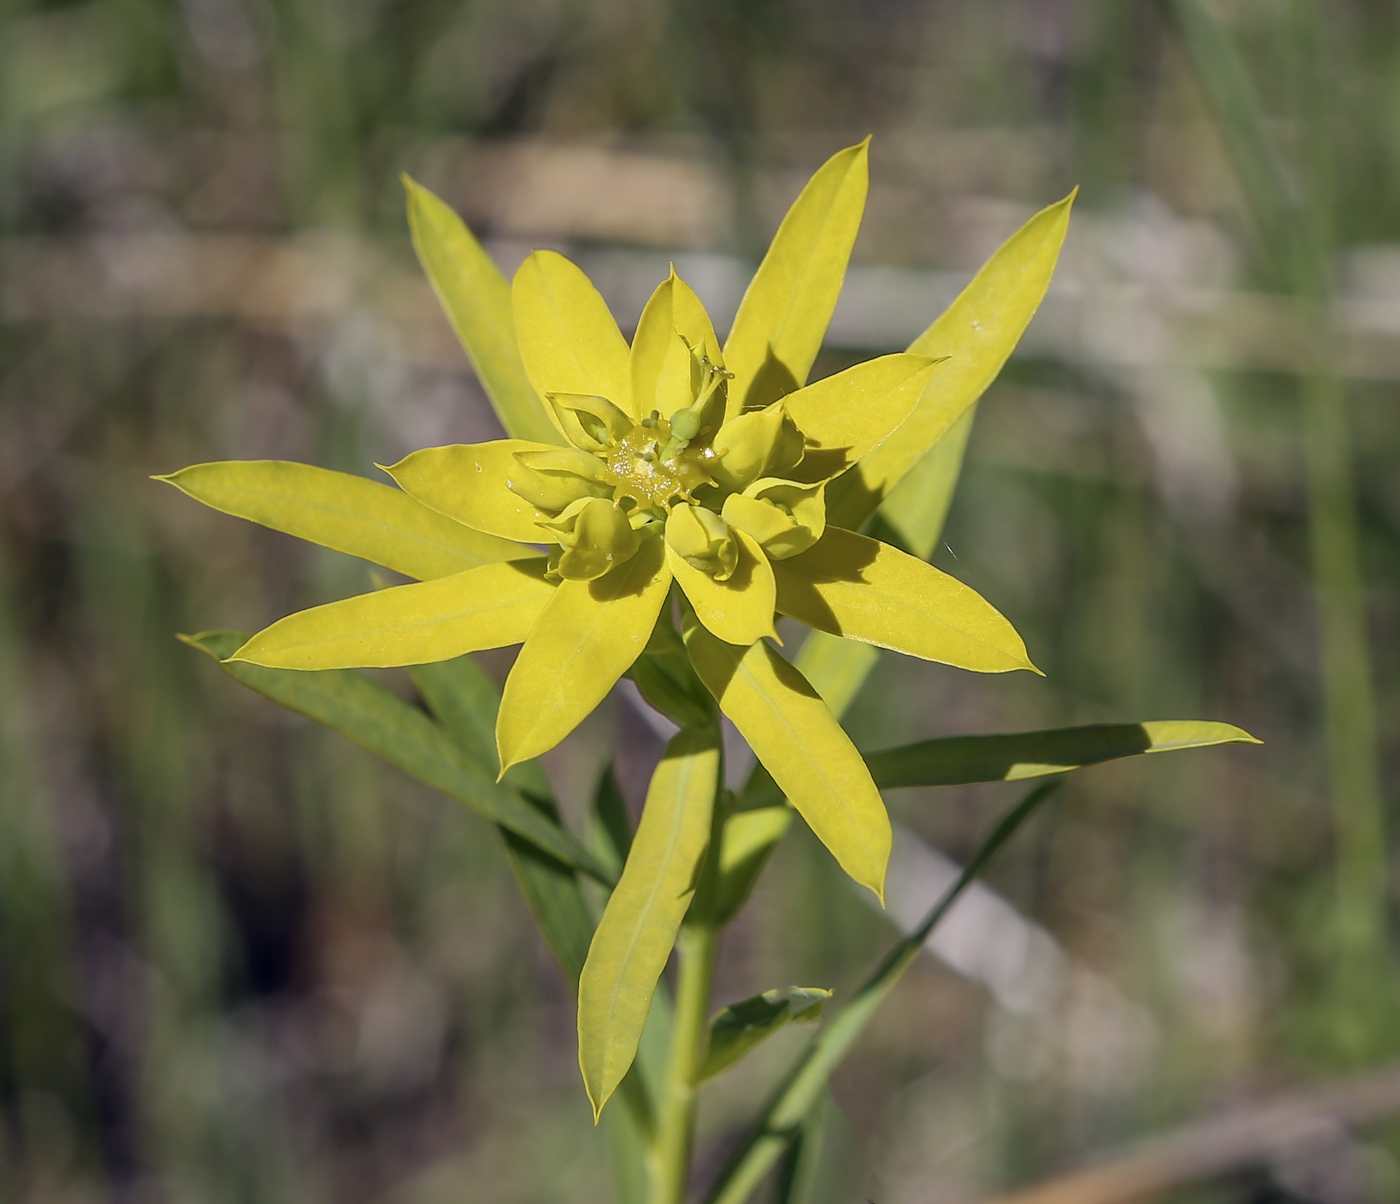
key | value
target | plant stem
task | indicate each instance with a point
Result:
(676, 1131)
(695, 950)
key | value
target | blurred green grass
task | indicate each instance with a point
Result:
(241, 961)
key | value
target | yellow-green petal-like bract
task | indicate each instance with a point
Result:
(487, 607)
(569, 340)
(347, 513)
(785, 311)
(470, 482)
(673, 310)
(845, 415)
(644, 912)
(587, 637)
(476, 299)
(863, 589)
(799, 742)
(977, 333)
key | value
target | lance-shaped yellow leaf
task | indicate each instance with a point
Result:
(644, 912)
(845, 415)
(738, 609)
(977, 333)
(476, 299)
(470, 482)
(784, 314)
(673, 309)
(587, 637)
(800, 743)
(863, 589)
(487, 607)
(568, 338)
(347, 513)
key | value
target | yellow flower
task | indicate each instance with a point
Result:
(675, 461)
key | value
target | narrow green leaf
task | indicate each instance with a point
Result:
(347, 513)
(800, 743)
(381, 721)
(611, 811)
(863, 589)
(743, 1025)
(644, 912)
(955, 760)
(784, 314)
(476, 299)
(568, 338)
(804, 1087)
(977, 333)
(489, 607)
(586, 638)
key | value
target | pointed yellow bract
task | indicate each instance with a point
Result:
(784, 314)
(866, 590)
(800, 743)
(568, 338)
(673, 316)
(587, 637)
(977, 333)
(487, 607)
(476, 299)
(350, 514)
(645, 910)
(470, 482)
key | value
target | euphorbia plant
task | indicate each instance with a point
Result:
(685, 493)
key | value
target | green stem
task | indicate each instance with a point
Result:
(676, 1129)
(695, 949)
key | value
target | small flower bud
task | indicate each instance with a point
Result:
(786, 518)
(595, 536)
(591, 423)
(761, 442)
(703, 540)
(553, 480)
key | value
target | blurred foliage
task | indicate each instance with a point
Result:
(241, 961)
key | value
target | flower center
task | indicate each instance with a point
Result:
(654, 466)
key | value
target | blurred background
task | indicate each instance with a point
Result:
(242, 961)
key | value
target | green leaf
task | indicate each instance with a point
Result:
(379, 720)
(845, 415)
(804, 1088)
(476, 299)
(468, 482)
(568, 339)
(977, 333)
(586, 638)
(490, 607)
(644, 912)
(784, 314)
(800, 743)
(1010, 757)
(956, 760)
(347, 513)
(863, 589)
(836, 667)
(743, 1025)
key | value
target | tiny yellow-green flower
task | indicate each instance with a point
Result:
(675, 461)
